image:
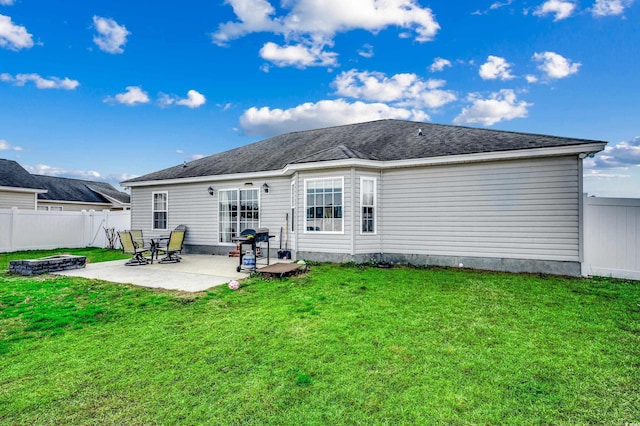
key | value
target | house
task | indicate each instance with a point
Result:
(387, 190)
(19, 188)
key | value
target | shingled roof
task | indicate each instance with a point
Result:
(13, 175)
(382, 140)
(78, 190)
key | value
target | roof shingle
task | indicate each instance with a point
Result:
(13, 175)
(383, 140)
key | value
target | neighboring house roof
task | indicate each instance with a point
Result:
(13, 175)
(382, 140)
(77, 190)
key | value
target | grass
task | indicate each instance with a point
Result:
(340, 345)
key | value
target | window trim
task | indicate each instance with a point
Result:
(374, 205)
(49, 208)
(306, 195)
(153, 210)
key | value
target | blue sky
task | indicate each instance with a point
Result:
(108, 90)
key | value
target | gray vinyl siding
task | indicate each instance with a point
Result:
(274, 207)
(317, 241)
(21, 200)
(526, 209)
(188, 204)
(191, 205)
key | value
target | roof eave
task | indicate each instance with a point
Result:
(289, 169)
(26, 190)
(84, 203)
(111, 199)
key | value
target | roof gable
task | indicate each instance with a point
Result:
(382, 140)
(13, 175)
(66, 189)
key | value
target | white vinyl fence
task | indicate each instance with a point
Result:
(33, 229)
(612, 237)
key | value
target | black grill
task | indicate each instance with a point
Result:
(251, 237)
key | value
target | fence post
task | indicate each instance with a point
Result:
(86, 228)
(12, 228)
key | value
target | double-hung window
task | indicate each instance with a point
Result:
(238, 209)
(160, 208)
(368, 205)
(323, 204)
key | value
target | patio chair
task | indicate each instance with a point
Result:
(173, 247)
(129, 247)
(136, 234)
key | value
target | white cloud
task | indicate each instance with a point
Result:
(111, 36)
(13, 37)
(555, 66)
(6, 2)
(500, 106)
(133, 95)
(610, 7)
(193, 100)
(562, 9)
(313, 24)
(92, 175)
(366, 51)
(625, 154)
(40, 82)
(531, 78)
(403, 90)
(439, 64)
(297, 55)
(268, 122)
(498, 5)
(253, 16)
(597, 174)
(496, 68)
(43, 169)
(6, 146)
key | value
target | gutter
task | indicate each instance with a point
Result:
(24, 190)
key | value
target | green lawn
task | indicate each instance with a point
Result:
(339, 345)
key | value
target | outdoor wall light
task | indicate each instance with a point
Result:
(210, 190)
(584, 155)
(265, 188)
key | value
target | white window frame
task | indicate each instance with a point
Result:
(306, 196)
(373, 206)
(154, 211)
(237, 219)
(50, 208)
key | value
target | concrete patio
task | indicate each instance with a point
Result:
(194, 273)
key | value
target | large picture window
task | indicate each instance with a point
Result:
(238, 210)
(368, 205)
(323, 205)
(160, 210)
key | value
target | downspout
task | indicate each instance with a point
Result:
(353, 211)
(581, 200)
(299, 211)
(380, 228)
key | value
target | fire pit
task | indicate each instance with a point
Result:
(47, 265)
